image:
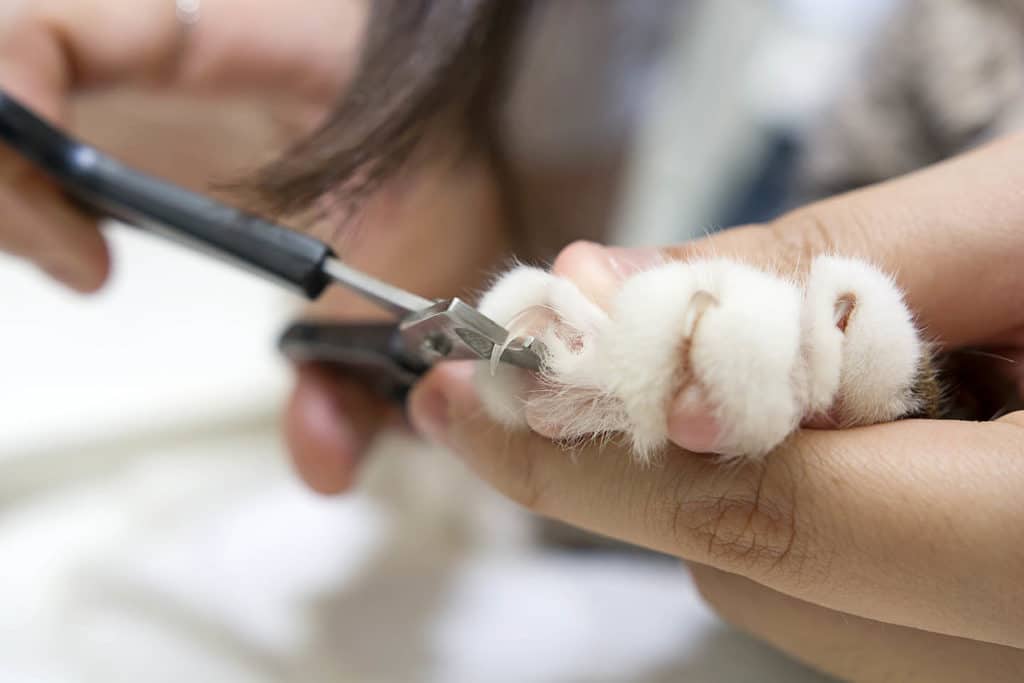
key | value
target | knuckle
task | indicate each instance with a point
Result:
(747, 522)
(842, 226)
(801, 236)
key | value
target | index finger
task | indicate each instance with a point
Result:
(904, 522)
(950, 234)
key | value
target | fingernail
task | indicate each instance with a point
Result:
(625, 262)
(587, 265)
(692, 423)
(598, 271)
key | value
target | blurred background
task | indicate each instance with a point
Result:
(150, 526)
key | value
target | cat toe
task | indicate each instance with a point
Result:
(863, 347)
(532, 302)
(503, 389)
(704, 354)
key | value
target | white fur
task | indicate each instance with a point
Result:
(881, 350)
(761, 352)
(503, 394)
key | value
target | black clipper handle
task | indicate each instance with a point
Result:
(115, 190)
(372, 353)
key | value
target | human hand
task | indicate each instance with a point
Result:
(330, 421)
(875, 553)
(252, 58)
(52, 52)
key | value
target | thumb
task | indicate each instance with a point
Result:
(952, 235)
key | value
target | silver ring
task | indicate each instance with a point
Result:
(187, 11)
(187, 14)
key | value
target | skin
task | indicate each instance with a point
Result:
(197, 108)
(52, 52)
(875, 554)
(878, 553)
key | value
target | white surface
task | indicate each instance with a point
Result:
(172, 339)
(196, 564)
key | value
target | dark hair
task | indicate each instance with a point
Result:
(430, 70)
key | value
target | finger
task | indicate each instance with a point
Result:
(329, 425)
(849, 647)
(94, 43)
(905, 522)
(36, 223)
(934, 230)
(599, 271)
(54, 47)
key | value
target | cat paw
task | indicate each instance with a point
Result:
(714, 355)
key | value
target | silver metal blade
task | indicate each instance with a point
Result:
(452, 329)
(392, 298)
(433, 330)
